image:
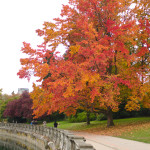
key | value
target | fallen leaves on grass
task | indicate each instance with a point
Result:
(118, 130)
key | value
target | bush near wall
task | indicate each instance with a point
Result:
(81, 117)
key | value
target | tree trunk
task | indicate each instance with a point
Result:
(109, 118)
(88, 118)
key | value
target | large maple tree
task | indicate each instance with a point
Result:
(100, 38)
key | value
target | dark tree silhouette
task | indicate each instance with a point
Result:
(20, 108)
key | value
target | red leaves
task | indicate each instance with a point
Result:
(24, 73)
(142, 52)
(40, 32)
(118, 81)
(109, 24)
(94, 93)
(100, 39)
(27, 48)
(20, 107)
(121, 47)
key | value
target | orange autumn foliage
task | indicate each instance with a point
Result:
(101, 39)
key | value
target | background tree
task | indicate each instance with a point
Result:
(20, 109)
(5, 98)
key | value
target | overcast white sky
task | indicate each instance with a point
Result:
(18, 21)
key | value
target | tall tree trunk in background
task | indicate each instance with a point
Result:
(109, 118)
(88, 118)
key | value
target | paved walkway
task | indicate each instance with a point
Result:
(101, 142)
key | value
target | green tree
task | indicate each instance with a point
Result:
(5, 98)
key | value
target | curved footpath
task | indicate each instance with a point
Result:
(101, 142)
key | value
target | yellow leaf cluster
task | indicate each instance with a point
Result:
(133, 104)
(69, 92)
(41, 101)
(74, 49)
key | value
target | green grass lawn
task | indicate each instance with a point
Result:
(137, 129)
(78, 126)
(141, 135)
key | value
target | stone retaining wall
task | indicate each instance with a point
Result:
(45, 138)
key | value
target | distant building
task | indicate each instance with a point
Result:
(21, 90)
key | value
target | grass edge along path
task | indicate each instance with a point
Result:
(137, 129)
